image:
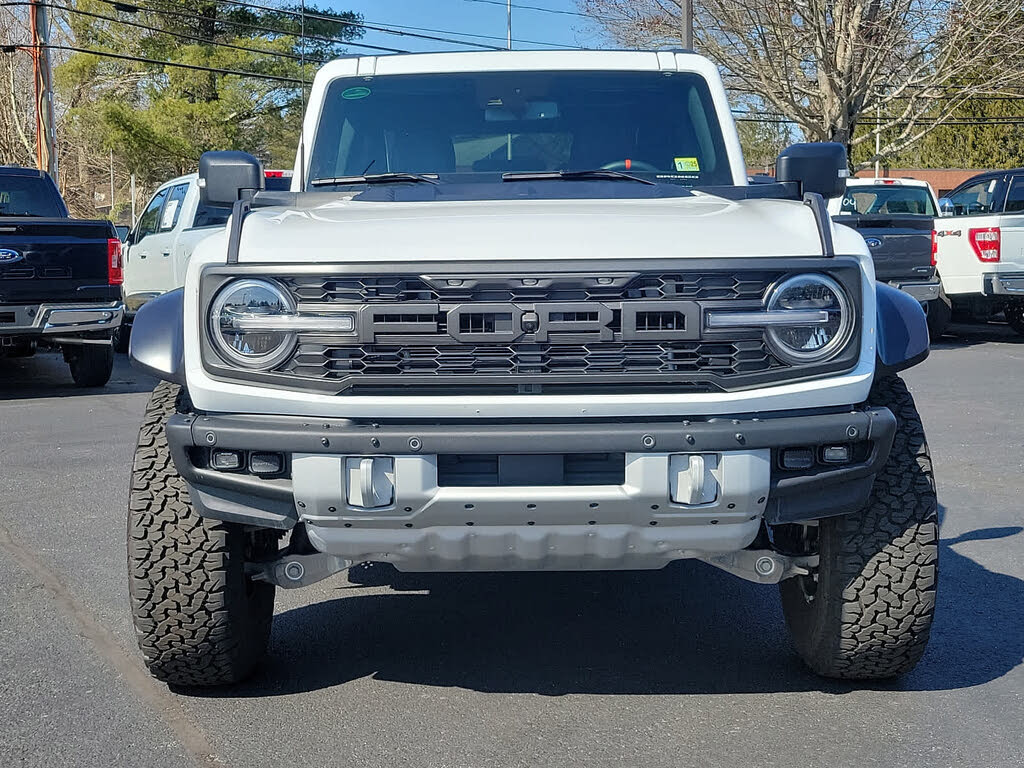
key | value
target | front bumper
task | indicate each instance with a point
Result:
(60, 321)
(432, 525)
(924, 290)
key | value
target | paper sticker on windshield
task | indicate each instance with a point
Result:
(359, 92)
(687, 164)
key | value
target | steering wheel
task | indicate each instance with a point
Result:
(634, 165)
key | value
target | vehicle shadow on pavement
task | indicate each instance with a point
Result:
(45, 374)
(960, 335)
(685, 629)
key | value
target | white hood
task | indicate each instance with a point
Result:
(344, 230)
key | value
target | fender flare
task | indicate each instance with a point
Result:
(157, 343)
(901, 338)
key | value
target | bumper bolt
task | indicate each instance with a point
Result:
(764, 566)
(294, 571)
(211, 438)
(375, 442)
(740, 438)
(415, 444)
(325, 442)
(690, 439)
(648, 441)
(851, 431)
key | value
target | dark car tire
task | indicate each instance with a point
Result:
(1014, 313)
(866, 613)
(940, 312)
(199, 619)
(121, 337)
(91, 364)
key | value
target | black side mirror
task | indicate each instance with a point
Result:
(819, 167)
(226, 177)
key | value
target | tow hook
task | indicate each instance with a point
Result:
(293, 571)
(763, 566)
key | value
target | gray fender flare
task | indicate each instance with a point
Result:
(157, 343)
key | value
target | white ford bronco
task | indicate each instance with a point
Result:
(522, 311)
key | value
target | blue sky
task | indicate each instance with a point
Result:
(460, 18)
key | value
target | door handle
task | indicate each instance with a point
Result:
(167, 253)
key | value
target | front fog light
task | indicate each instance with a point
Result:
(242, 323)
(819, 340)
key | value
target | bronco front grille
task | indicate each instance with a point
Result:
(478, 330)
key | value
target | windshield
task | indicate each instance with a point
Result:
(28, 196)
(888, 199)
(476, 126)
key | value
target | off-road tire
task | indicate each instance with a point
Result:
(199, 619)
(1014, 313)
(91, 364)
(868, 613)
(940, 312)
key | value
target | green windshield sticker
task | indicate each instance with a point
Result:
(359, 92)
(687, 164)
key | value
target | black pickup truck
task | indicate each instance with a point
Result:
(60, 278)
(896, 218)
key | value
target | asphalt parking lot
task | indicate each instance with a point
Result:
(682, 667)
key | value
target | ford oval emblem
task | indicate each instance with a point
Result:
(7, 256)
(873, 242)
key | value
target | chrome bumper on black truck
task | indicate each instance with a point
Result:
(79, 322)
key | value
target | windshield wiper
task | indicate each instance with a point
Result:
(373, 178)
(596, 173)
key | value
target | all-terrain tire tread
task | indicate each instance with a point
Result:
(879, 567)
(194, 621)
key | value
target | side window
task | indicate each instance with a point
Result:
(172, 208)
(974, 199)
(210, 215)
(1015, 197)
(150, 218)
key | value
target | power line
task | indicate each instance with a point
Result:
(361, 25)
(144, 60)
(540, 9)
(158, 30)
(253, 27)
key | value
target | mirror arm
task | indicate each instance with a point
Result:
(816, 203)
(239, 211)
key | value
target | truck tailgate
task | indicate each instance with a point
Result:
(54, 260)
(901, 246)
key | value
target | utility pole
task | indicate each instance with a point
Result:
(686, 11)
(46, 140)
(510, 25)
(111, 184)
(878, 139)
(133, 200)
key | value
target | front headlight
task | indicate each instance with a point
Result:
(245, 323)
(820, 339)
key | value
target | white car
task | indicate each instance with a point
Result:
(981, 246)
(158, 248)
(522, 311)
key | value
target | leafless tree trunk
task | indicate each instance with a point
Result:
(829, 65)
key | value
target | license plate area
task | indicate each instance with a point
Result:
(518, 470)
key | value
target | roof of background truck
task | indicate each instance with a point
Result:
(902, 182)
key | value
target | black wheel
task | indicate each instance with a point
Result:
(866, 611)
(198, 618)
(91, 364)
(1014, 313)
(940, 312)
(121, 337)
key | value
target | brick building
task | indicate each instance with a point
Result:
(943, 180)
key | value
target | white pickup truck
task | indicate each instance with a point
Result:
(980, 254)
(158, 248)
(522, 311)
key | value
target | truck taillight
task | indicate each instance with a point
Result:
(985, 242)
(935, 247)
(115, 269)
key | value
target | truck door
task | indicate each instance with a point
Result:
(975, 207)
(1011, 227)
(138, 266)
(161, 243)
